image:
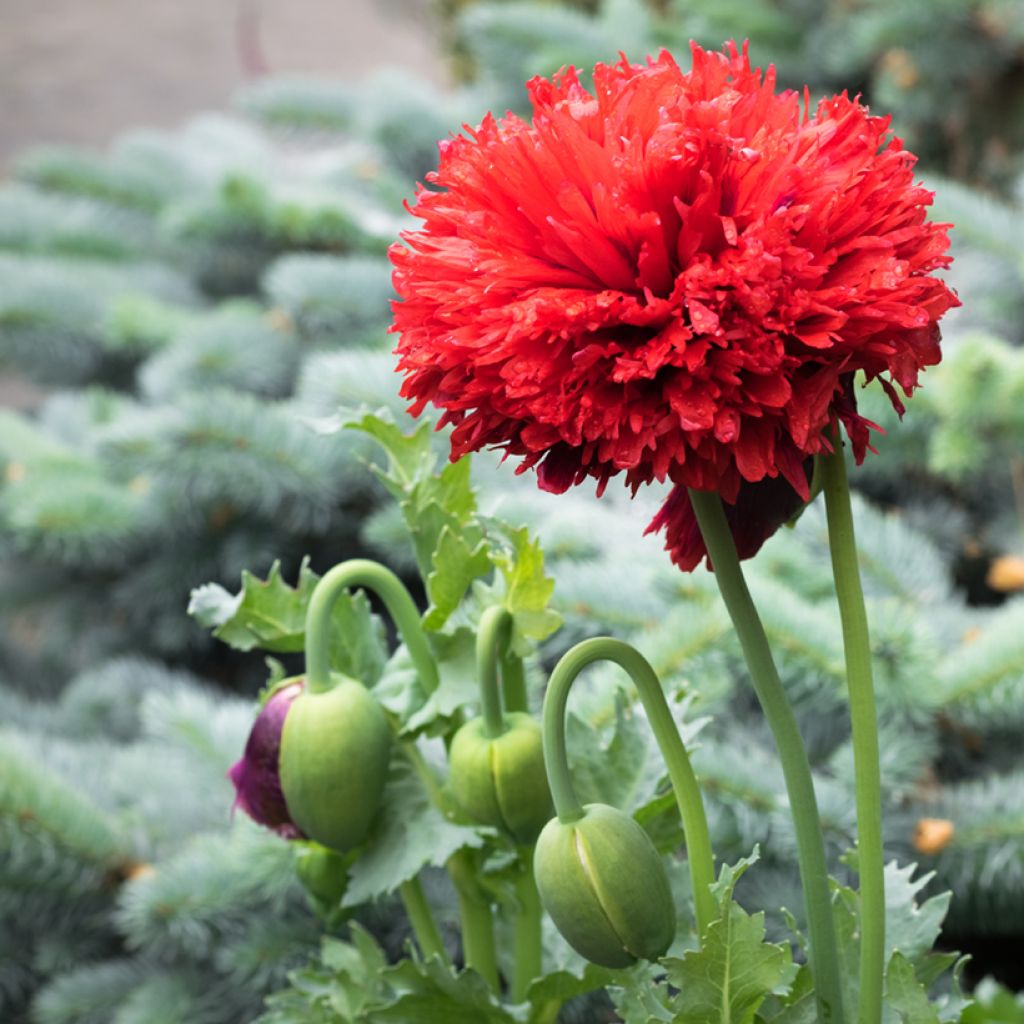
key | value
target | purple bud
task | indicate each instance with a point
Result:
(256, 776)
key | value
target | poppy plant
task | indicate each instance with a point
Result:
(674, 276)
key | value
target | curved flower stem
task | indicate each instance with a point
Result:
(383, 582)
(680, 771)
(796, 769)
(527, 959)
(513, 682)
(428, 938)
(492, 640)
(864, 724)
(360, 572)
(477, 919)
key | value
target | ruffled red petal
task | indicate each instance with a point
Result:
(668, 275)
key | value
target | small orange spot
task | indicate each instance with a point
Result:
(139, 870)
(1006, 574)
(15, 472)
(970, 635)
(933, 835)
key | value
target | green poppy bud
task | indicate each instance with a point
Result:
(500, 780)
(605, 887)
(335, 747)
(322, 872)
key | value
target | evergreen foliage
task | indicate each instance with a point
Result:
(200, 301)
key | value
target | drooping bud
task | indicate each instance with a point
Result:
(256, 775)
(315, 764)
(500, 780)
(605, 887)
(335, 748)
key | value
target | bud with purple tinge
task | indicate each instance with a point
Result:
(316, 763)
(256, 776)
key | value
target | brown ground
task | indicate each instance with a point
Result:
(82, 71)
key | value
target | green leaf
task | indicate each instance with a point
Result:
(617, 764)
(410, 456)
(911, 928)
(437, 503)
(458, 687)
(455, 565)
(727, 980)
(905, 995)
(409, 833)
(271, 615)
(432, 993)
(640, 995)
(994, 1004)
(798, 1006)
(528, 590)
(337, 989)
(548, 993)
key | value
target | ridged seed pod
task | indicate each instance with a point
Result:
(605, 887)
(500, 781)
(335, 748)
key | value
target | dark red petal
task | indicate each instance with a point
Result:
(256, 778)
(760, 509)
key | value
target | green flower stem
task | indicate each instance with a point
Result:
(428, 938)
(513, 682)
(492, 640)
(360, 572)
(477, 919)
(680, 771)
(864, 723)
(526, 963)
(796, 769)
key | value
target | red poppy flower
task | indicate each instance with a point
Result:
(672, 275)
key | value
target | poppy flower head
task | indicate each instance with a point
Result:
(671, 275)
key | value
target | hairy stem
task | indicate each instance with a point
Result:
(680, 771)
(864, 724)
(796, 768)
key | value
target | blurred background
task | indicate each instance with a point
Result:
(196, 200)
(82, 73)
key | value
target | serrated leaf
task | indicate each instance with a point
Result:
(438, 502)
(335, 990)
(409, 455)
(548, 993)
(735, 970)
(911, 928)
(455, 565)
(270, 615)
(620, 766)
(409, 833)
(905, 995)
(642, 997)
(432, 993)
(267, 614)
(458, 686)
(527, 589)
(798, 1006)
